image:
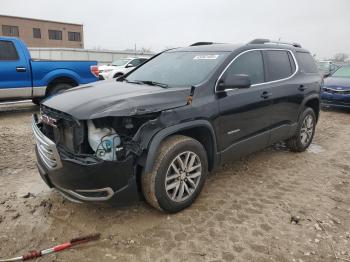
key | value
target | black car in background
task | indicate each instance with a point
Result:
(158, 130)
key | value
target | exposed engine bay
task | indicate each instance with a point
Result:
(108, 138)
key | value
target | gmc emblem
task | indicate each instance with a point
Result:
(48, 120)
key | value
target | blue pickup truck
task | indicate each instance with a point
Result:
(24, 78)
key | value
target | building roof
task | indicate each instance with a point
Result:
(41, 20)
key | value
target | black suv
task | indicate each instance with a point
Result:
(158, 130)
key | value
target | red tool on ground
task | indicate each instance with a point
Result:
(71, 243)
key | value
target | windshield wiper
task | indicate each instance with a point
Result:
(152, 83)
(146, 82)
(132, 82)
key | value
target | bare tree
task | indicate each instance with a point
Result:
(144, 50)
(340, 57)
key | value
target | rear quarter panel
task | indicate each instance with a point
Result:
(43, 72)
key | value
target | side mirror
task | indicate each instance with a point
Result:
(234, 81)
(129, 65)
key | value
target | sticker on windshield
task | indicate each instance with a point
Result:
(205, 57)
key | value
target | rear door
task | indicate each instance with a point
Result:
(286, 98)
(245, 113)
(15, 79)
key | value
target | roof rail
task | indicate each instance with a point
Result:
(202, 43)
(267, 41)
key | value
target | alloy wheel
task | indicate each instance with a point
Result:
(307, 130)
(183, 176)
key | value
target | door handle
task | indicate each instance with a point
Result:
(21, 69)
(302, 88)
(265, 95)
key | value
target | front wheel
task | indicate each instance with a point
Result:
(305, 131)
(178, 174)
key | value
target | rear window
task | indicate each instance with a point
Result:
(279, 64)
(8, 51)
(307, 63)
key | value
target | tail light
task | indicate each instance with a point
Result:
(94, 70)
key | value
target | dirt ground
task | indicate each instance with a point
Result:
(243, 214)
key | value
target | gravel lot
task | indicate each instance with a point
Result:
(243, 214)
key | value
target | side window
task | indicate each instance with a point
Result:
(278, 64)
(251, 64)
(142, 60)
(8, 51)
(135, 62)
(307, 63)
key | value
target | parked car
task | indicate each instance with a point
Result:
(327, 68)
(336, 89)
(22, 77)
(161, 128)
(120, 67)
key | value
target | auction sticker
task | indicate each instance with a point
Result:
(205, 57)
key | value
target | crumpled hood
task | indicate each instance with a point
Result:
(335, 82)
(113, 98)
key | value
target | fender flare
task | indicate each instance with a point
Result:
(61, 73)
(164, 133)
(307, 99)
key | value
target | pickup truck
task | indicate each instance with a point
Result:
(24, 78)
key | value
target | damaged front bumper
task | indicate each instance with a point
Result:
(84, 178)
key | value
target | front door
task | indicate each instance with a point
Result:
(245, 113)
(15, 79)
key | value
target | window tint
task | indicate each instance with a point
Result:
(307, 63)
(9, 30)
(74, 36)
(278, 64)
(8, 51)
(251, 64)
(55, 35)
(36, 33)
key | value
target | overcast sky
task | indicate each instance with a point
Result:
(322, 26)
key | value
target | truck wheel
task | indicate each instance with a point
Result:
(304, 133)
(37, 100)
(59, 88)
(178, 174)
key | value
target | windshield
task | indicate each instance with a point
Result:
(120, 62)
(178, 69)
(342, 72)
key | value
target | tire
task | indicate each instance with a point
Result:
(37, 100)
(154, 183)
(59, 88)
(118, 75)
(298, 143)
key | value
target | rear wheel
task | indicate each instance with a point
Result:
(178, 174)
(117, 75)
(305, 131)
(59, 88)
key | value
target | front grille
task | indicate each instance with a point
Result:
(68, 132)
(44, 110)
(46, 148)
(336, 91)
